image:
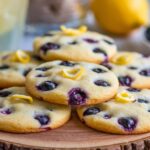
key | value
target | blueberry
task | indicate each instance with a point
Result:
(42, 69)
(145, 72)
(147, 33)
(91, 41)
(133, 89)
(100, 51)
(107, 116)
(132, 68)
(37, 57)
(107, 65)
(146, 55)
(99, 70)
(5, 57)
(40, 76)
(102, 83)
(43, 119)
(108, 42)
(25, 73)
(5, 93)
(128, 123)
(73, 43)
(143, 101)
(4, 67)
(50, 46)
(91, 111)
(77, 96)
(125, 80)
(6, 111)
(67, 63)
(47, 86)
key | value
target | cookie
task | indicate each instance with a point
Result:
(21, 113)
(132, 69)
(127, 113)
(75, 45)
(14, 66)
(72, 83)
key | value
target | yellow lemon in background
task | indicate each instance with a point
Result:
(120, 16)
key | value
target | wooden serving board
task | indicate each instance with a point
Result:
(75, 136)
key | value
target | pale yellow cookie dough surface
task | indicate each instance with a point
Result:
(20, 116)
(137, 64)
(83, 86)
(12, 73)
(107, 115)
(75, 48)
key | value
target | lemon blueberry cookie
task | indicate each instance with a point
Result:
(72, 83)
(21, 113)
(15, 66)
(75, 45)
(132, 69)
(127, 113)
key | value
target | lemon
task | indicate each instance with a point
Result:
(123, 58)
(73, 32)
(19, 56)
(19, 97)
(73, 74)
(124, 97)
(22, 56)
(120, 16)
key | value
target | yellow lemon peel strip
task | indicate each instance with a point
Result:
(22, 56)
(19, 56)
(122, 59)
(73, 74)
(19, 97)
(73, 32)
(124, 97)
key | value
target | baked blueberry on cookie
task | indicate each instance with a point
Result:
(132, 69)
(72, 83)
(21, 113)
(127, 113)
(75, 45)
(15, 66)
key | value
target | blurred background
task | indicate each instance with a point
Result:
(127, 21)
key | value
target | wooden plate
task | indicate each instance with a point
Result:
(73, 135)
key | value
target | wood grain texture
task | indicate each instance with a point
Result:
(75, 136)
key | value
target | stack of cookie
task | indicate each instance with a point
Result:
(74, 67)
